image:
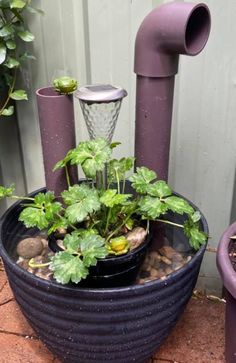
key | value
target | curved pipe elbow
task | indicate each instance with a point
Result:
(169, 30)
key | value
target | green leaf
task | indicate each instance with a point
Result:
(151, 207)
(178, 205)
(110, 198)
(65, 85)
(8, 111)
(3, 52)
(118, 168)
(192, 231)
(92, 155)
(82, 201)
(129, 224)
(10, 44)
(92, 248)
(114, 144)
(72, 243)
(67, 267)
(17, 14)
(196, 216)
(19, 95)
(196, 237)
(6, 30)
(6, 192)
(26, 35)
(62, 163)
(59, 165)
(52, 209)
(44, 198)
(42, 212)
(159, 189)
(11, 63)
(27, 55)
(58, 223)
(141, 179)
(17, 4)
(33, 217)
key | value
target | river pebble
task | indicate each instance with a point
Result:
(30, 247)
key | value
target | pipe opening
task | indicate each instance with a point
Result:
(48, 91)
(197, 30)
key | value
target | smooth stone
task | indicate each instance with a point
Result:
(30, 247)
(166, 260)
(136, 237)
(144, 274)
(171, 253)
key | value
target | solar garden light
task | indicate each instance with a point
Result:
(100, 105)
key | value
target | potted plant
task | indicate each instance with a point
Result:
(226, 265)
(96, 221)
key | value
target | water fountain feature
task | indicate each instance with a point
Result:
(121, 324)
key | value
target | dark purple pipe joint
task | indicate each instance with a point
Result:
(169, 30)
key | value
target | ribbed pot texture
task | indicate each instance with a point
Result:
(119, 325)
(228, 276)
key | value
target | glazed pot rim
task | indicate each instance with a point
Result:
(135, 287)
(224, 265)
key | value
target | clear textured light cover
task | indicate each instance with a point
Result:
(100, 118)
(100, 105)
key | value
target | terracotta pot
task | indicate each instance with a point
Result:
(122, 324)
(228, 276)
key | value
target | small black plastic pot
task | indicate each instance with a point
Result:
(88, 325)
(112, 271)
(228, 276)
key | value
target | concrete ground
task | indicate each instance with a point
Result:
(197, 338)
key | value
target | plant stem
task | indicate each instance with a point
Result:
(119, 227)
(118, 182)
(123, 187)
(70, 225)
(67, 176)
(169, 222)
(99, 180)
(9, 92)
(107, 222)
(32, 264)
(21, 198)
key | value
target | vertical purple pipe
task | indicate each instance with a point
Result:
(154, 112)
(169, 30)
(56, 120)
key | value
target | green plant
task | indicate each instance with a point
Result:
(65, 85)
(97, 218)
(13, 31)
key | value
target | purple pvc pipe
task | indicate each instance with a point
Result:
(56, 120)
(169, 30)
(228, 276)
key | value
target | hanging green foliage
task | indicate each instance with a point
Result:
(13, 31)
